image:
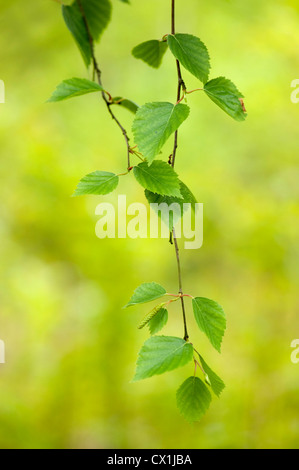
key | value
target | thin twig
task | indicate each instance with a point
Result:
(186, 336)
(199, 365)
(98, 73)
(180, 86)
(181, 83)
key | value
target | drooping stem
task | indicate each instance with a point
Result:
(186, 336)
(176, 246)
(97, 71)
(180, 81)
(172, 16)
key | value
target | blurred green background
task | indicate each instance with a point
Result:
(70, 348)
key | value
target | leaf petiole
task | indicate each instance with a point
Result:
(137, 154)
(192, 91)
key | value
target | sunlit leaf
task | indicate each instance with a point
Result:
(193, 399)
(226, 95)
(98, 15)
(145, 293)
(212, 378)
(74, 87)
(192, 54)
(153, 125)
(98, 182)
(158, 321)
(151, 315)
(75, 23)
(174, 216)
(125, 103)
(210, 318)
(150, 52)
(161, 354)
(158, 178)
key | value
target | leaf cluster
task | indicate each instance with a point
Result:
(154, 123)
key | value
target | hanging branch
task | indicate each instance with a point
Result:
(180, 84)
(97, 71)
(153, 125)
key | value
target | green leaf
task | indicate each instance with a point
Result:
(210, 318)
(174, 216)
(98, 15)
(145, 293)
(192, 54)
(150, 52)
(226, 95)
(151, 315)
(158, 321)
(193, 399)
(159, 178)
(161, 354)
(128, 104)
(74, 87)
(75, 23)
(98, 182)
(154, 123)
(212, 378)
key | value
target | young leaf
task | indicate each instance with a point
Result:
(151, 315)
(174, 216)
(193, 399)
(128, 104)
(74, 87)
(75, 23)
(150, 52)
(98, 182)
(98, 15)
(227, 96)
(154, 123)
(192, 54)
(145, 293)
(210, 318)
(212, 378)
(161, 354)
(159, 178)
(158, 321)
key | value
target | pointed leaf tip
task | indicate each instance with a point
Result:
(151, 52)
(161, 354)
(154, 123)
(211, 319)
(73, 87)
(191, 53)
(226, 95)
(158, 178)
(212, 379)
(98, 182)
(146, 292)
(193, 399)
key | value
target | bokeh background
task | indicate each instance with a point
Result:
(70, 348)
